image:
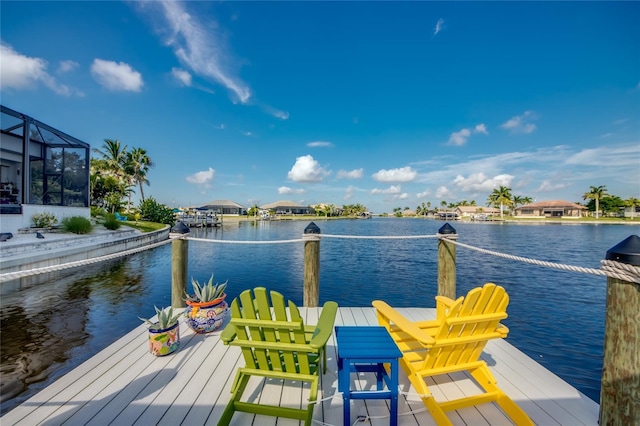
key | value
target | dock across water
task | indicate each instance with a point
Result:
(125, 385)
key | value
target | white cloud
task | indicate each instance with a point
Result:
(116, 76)
(481, 128)
(547, 186)
(439, 26)
(247, 133)
(402, 196)
(24, 72)
(287, 190)
(353, 174)
(442, 192)
(182, 76)
(201, 49)
(348, 193)
(480, 182)
(306, 169)
(282, 115)
(459, 138)
(616, 156)
(66, 66)
(403, 174)
(520, 123)
(319, 144)
(202, 178)
(393, 189)
(424, 194)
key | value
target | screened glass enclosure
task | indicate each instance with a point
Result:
(40, 165)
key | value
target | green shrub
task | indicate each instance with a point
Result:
(44, 220)
(77, 224)
(110, 221)
(153, 211)
(97, 211)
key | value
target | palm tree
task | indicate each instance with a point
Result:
(632, 202)
(137, 164)
(114, 155)
(500, 197)
(516, 200)
(596, 193)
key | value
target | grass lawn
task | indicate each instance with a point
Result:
(144, 226)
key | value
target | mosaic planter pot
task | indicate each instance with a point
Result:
(164, 342)
(205, 317)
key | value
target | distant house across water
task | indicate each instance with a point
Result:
(283, 207)
(555, 208)
(475, 212)
(224, 207)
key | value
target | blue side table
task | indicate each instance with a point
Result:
(367, 349)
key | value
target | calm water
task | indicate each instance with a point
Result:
(555, 317)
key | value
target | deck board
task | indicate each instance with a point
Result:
(125, 385)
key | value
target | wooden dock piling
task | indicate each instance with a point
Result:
(179, 264)
(311, 266)
(447, 262)
(620, 390)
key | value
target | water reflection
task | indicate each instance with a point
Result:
(45, 326)
(38, 331)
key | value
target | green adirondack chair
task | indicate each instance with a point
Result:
(275, 346)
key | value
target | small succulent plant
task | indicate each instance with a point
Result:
(166, 319)
(206, 292)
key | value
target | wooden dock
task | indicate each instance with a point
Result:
(126, 385)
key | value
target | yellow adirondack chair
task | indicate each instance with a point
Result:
(452, 343)
(275, 346)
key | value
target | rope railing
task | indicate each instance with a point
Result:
(380, 237)
(54, 268)
(207, 240)
(609, 268)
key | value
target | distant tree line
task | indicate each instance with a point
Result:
(600, 202)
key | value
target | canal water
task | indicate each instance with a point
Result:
(555, 317)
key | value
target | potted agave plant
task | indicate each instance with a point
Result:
(164, 335)
(206, 310)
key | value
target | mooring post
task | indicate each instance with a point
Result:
(311, 265)
(620, 389)
(179, 263)
(447, 262)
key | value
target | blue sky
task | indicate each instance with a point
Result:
(387, 104)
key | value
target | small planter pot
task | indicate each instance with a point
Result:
(164, 342)
(205, 317)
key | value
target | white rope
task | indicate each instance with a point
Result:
(379, 237)
(36, 271)
(611, 269)
(206, 240)
(621, 271)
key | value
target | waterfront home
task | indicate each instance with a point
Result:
(284, 207)
(473, 212)
(632, 211)
(224, 207)
(43, 170)
(556, 208)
